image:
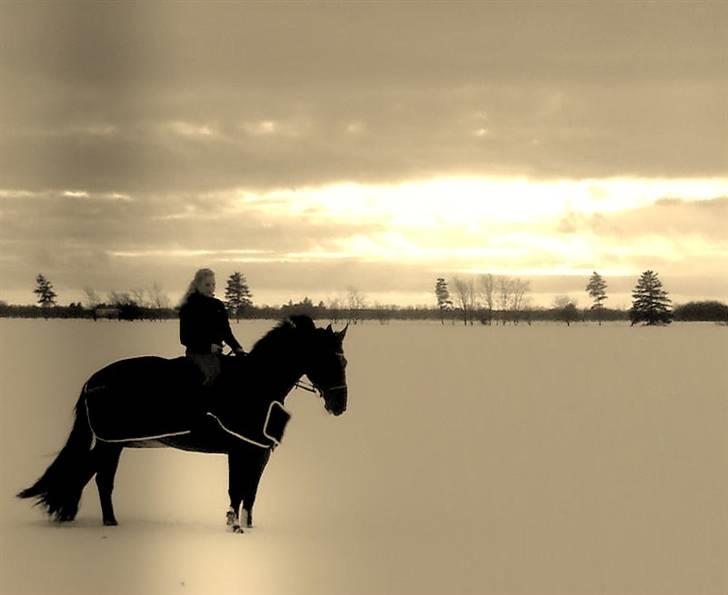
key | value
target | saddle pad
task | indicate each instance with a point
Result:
(277, 421)
(148, 398)
(259, 424)
(143, 398)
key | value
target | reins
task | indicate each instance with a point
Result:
(307, 386)
(312, 388)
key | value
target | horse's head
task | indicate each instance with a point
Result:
(316, 352)
(327, 368)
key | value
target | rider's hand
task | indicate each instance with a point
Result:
(215, 348)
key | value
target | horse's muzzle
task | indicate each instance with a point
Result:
(336, 399)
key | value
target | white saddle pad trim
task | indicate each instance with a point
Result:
(267, 419)
(119, 440)
(265, 425)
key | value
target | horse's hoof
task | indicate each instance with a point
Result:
(110, 522)
(238, 529)
(231, 518)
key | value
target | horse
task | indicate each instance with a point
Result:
(241, 416)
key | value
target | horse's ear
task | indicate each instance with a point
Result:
(329, 329)
(342, 334)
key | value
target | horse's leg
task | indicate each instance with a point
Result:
(236, 469)
(254, 473)
(107, 461)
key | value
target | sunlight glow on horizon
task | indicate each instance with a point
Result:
(463, 200)
(382, 237)
(512, 226)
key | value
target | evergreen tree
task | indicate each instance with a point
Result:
(44, 291)
(237, 294)
(596, 288)
(443, 298)
(650, 303)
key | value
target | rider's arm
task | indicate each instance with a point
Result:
(228, 336)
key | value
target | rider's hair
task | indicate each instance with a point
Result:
(200, 275)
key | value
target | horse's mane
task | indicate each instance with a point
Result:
(285, 332)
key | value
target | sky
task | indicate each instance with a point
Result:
(321, 146)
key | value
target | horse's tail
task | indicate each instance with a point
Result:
(59, 489)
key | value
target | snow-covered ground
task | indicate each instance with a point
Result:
(531, 460)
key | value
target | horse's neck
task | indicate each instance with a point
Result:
(276, 377)
(285, 384)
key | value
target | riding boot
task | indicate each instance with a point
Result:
(209, 367)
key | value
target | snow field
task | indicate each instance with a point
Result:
(535, 460)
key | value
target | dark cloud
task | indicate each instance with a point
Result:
(164, 222)
(668, 217)
(570, 89)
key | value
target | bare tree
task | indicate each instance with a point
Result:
(335, 310)
(465, 297)
(519, 288)
(139, 296)
(157, 298)
(566, 309)
(487, 286)
(383, 313)
(92, 298)
(504, 291)
(120, 298)
(357, 302)
(127, 305)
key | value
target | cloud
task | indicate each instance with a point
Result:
(135, 134)
(667, 217)
(477, 226)
(368, 94)
(192, 130)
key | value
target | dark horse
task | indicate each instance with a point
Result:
(242, 416)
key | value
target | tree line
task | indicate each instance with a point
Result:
(484, 299)
(491, 299)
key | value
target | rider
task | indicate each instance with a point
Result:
(204, 326)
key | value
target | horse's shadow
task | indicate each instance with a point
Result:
(136, 527)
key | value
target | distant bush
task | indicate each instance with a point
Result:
(70, 311)
(708, 311)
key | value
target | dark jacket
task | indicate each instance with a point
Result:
(203, 321)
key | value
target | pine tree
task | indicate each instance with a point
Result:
(44, 291)
(443, 298)
(596, 288)
(237, 294)
(650, 303)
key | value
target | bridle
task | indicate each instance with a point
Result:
(312, 387)
(308, 386)
(315, 388)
